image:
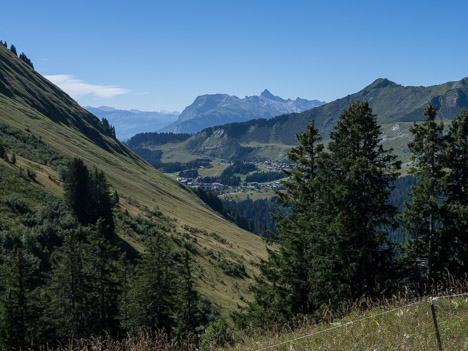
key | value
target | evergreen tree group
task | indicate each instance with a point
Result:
(64, 276)
(333, 247)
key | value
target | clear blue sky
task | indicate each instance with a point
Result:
(160, 55)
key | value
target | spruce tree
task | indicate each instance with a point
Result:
(88, 195)
(423, 216)
(100, 202)
(68, 287)
(187, 314)
(332, 247)
(152, 294)
(100, 268)
(18, 300)
(456, 218)
(78, 190)
(362, 174)
(26, 60)
(285, 287)
(13, 50)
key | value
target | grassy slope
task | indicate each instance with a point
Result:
(31, 104)
(408, 328)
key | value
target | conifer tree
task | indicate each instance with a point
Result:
(77, 190)
(456, 219)
(18, 308)
(26, 60)
(69, 306)
(100, 202)
(13, 50)
(100, 268)
(188, 315)
(285, 287)
(2, 152)
(152, 295)
(423, 216)
(333, 245)
(362, 174)
(88, 195)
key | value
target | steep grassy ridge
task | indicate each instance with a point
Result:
(41, 123)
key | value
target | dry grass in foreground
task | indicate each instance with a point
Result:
(398, 324)
(144, 342)
(401, 326)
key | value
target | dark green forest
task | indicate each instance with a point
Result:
(334, 247)
(65, 274)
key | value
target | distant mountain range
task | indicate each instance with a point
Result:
(217, 109)
(127, 123)
(262, 138)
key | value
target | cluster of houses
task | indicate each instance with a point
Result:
(196, 183)
(220, 188)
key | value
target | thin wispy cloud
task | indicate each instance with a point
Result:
(77, 88)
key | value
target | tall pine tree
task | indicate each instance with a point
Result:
(153, 290)
(284, 287)
(78, 190)
(362, 174)
(69, 304)
(332, 247)
(423, 216)
(101, 270)
(187, 311)
(88, 195)
(456, 219)
(18, 298)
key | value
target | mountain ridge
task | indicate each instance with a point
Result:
(390, 101)
(216, 109)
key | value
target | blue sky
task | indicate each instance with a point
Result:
(160, 55)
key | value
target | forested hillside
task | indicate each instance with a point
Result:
(43, 133)
(338, 234)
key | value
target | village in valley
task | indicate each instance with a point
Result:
(244, 186)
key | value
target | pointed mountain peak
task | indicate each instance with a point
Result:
(267, 95)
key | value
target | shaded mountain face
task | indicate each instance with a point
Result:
(390, 101)
(217, 109)
(128, 123)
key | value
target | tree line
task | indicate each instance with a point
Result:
(334, 248)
